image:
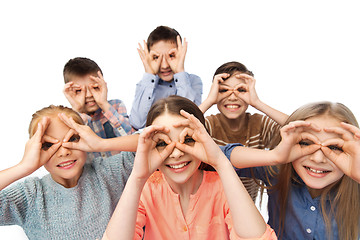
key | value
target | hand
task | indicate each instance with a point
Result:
(216, 89)
(88, 142)
(39, 148)
(344, 151)
(176, 57)
(148, 158)
(151, 61)
(292, 134)
(99, 90)
(204, 147)
(75, 94)
(247, 91)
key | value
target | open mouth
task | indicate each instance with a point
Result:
(66, 164)
(178, 166)
(316, 171)
(232, 106)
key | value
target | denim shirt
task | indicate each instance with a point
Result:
(303, 218)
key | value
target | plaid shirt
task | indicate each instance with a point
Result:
(118, 119)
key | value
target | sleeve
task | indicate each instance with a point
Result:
(143, 100)
(15, 202)
(270, 135)
(140, 221)
(189, 86)
(118, 118)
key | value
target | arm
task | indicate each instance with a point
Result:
(90, 142)
(123, 222)
(287, 150)
(34, 156)
(144, 97)
(118, 118)
(251, 226)
(250, 97)
(345, 150)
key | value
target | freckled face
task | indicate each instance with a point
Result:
(164, 48)
(231, 106)
(179, 167)
(66, 165)
(316, 170)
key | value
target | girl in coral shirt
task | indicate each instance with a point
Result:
(181, 201)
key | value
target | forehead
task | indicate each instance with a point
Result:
(324, 122)
(233, 80)
(82, 80)
(57, 129)
(169, 120)
(162, 46)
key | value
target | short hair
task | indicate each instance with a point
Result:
(232, 67)
(52, 111)
(162, 33)
(80, 66)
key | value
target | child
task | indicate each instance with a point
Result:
(76, 199)
(181, 201)
(86, 91)
(163, 57)
(233, 90)
(315, 193)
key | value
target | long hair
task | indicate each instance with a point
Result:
(342, 194)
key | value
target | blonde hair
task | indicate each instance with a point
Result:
(52, 111)
(342, 194)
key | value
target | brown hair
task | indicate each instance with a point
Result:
(343, 194)
(233, 67)
(52, 111)
(80, 66)
(172, 105)
(162, 33)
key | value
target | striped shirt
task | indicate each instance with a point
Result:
(256, 131)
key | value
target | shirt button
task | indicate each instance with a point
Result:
(103, 155)
(308, 230)
(312, 208)
(152, 80)
(176, 80)
(149, 98)
(170, 86)
(185, 228)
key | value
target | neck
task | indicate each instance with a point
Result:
(189, 187)
(233, 124)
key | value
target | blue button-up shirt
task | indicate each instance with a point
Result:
(303, 218)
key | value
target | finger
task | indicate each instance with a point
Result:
(334, 157)
(344, 133)
(161, 136)
(307, 150)
(146, 47)
(334, 142)
(222, 76)
(184, 148)
(67, 120)
(196, 124)
(355, 130)
(167, 151)
(47, 138)
(53, 149)
(69, 134)
(185, 132)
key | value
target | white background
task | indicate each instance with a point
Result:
(299, 51)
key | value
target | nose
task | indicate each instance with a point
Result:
(318, 157)
(63, 152)
(88, 92)
(232, 96)
(164, 63)
(176, 153)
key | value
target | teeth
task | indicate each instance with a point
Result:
(232, 106)
(66, 164)
(316, 171)
(179, 165)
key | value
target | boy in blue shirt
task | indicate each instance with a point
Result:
(163, 56)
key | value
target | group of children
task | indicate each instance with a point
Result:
(160, 173)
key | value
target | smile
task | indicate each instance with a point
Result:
(65, 164)
(316, 171)
(178, 166)
(232, 106)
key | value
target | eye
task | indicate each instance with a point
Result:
(172, 55)
(46, 145)
(241, 90)
(155, 57)
(305, 143)
(335, 148)
(74, 138)
(189, 140)
(161, 144)
(77, 91)
(223, 90)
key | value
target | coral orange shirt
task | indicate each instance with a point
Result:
(208, 215)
